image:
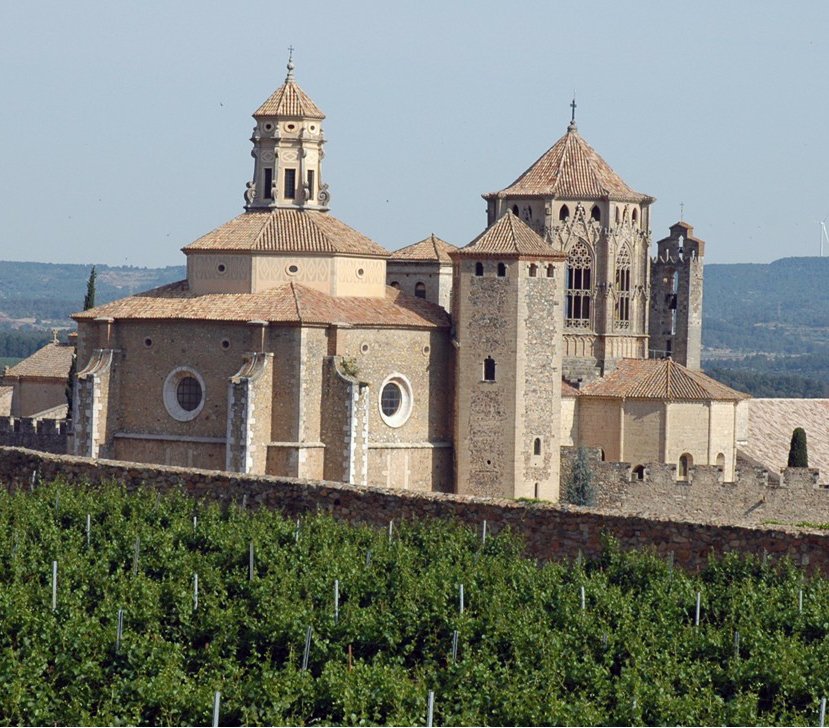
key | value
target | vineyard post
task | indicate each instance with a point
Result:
(195, 592)
(119, 631)
(391, 528)
(336, 601)
(136, 555)
(217, 701)
(195, 523)
(88, 528)
(696, 613)
(583, 600)
(57, 504)
(460, 598)
(455, 636)
(244, 501)
(296, 532)
(307, 652)
(368, 557)
(822, 718)
(54, 585)
(430, 708)
(604, 640)
(32, 481)
(483, 534)
(250, 562)
(800, 601)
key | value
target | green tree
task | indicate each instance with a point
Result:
(580, 489)
(70, 384)
(89, 299)
(798, 452)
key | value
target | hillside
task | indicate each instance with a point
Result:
(45, 294)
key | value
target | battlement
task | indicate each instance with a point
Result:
(756, 496)
(36, 433)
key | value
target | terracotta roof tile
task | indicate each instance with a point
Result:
(572, 169)
(287, 303)
(289, 100)
(659, 379)
(770, 426)
(53, 360)
(431, 248)
(288, 231)
(568, 391)
(509, 236)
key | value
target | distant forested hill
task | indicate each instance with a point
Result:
(50, 292)
(766, 327)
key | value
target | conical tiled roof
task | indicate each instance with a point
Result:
(659, 379)
(288, 231)
(428, 249)
(510, 236)
(572, 169)
(290, 100)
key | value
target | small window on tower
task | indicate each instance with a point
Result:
(489, 369)
(533, 270)
(310, 184)
(267, 193)
(502, 270)
(479, 269)
(420, 289)
(515, 210)
(564, 212)
(290, 184)
(537, 446)
(596, 213)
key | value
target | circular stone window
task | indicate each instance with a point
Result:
(292, 269)
(221, 267)
(360, 272)
(184, 394)
(395, 400)
(225, 343)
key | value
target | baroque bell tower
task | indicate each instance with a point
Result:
(287, 151)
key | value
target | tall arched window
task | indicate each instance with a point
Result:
(579, 265)
(533, 270)
(635, 216)
(564, 212)
(420, 289)
(596, 213)
(622, 311)
(685, 462)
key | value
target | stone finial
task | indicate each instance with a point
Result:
(291, 66)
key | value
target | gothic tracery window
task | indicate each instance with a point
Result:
(622, 310)
(579, 286)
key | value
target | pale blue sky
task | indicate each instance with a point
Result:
(125, 126)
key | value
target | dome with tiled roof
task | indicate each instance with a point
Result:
(509, 236)
(659, 379)
(428, 249)
(571, 169)
(289, 100)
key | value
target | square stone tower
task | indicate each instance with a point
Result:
(676, 297)
(507, 313)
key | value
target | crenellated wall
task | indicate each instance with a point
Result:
(549, 531)
(754, 497)
(48, 435)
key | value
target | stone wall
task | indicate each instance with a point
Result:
(753, 497)
(37, 434)
(550, 531)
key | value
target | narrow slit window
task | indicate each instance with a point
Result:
(489, 369)
(502, 270)
(537, 446)
(310, 184)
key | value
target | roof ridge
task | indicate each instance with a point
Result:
(296, 300)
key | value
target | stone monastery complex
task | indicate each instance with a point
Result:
(299, 347)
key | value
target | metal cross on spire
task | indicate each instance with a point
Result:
(573, 109)
(290, 53)
(681, 211)
(290, 63)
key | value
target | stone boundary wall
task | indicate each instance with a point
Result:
(752, 499)
(550, 531)
(35, 433)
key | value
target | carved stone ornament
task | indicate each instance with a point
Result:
(324, 196)
(250, 193)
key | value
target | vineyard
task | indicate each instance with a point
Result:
(139, 608)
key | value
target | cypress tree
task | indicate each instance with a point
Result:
(89, 299)
(580, 490)
(798, 453)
